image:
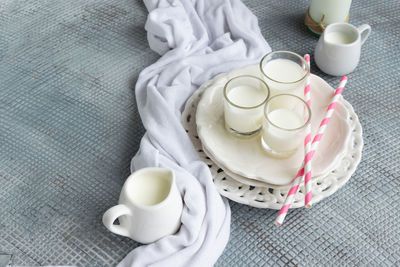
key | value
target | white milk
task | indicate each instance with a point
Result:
(283, 70)
(339, 38)
(334, 10)
(280, 140)
(150, 190)
(286, 71)
(240, 119)
(246, 96)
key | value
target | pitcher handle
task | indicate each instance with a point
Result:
(111, 215)
(364, 31)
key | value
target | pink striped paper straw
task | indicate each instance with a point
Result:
(307, 141)
(317, 138)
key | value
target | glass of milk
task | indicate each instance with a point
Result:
(332, 10)
(285, 72)
(244, 100)
(286, 117)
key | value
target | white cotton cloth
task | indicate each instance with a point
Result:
(197, 40)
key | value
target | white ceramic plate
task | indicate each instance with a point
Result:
(246, 158)
(263, 195)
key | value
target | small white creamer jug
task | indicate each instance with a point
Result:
(339, 47)
(150, 206)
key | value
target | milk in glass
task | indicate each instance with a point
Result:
(334, 10)
(283, 137)
(244, 99)
(282, 76)
(241, 117)
(284, 72)
(284, 125)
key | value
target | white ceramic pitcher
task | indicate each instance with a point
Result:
(149, 208)
(339, 48)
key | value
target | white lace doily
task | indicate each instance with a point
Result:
(272, 196)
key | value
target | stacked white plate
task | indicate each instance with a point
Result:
(244, 173)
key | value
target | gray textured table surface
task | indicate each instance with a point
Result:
(69, 127)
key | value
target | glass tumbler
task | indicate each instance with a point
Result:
(286, 118)
(244, 100)
(285, 72)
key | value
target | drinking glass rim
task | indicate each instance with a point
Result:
(295, 129)
(242, 107)
(289, 52)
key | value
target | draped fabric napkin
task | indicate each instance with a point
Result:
(197, 40)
